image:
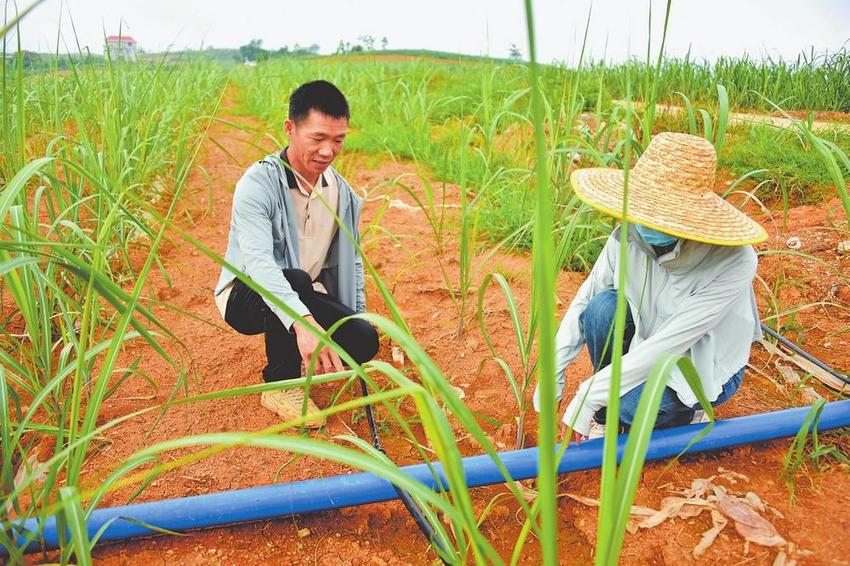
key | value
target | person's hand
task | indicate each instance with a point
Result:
(574, 437)
(308, 343)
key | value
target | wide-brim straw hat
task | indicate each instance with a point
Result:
(671, 189)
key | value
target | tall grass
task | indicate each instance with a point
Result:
(798, 456)
(102, 193)
(834, 158)
(813, 81)
(116, 145)
(524, 336)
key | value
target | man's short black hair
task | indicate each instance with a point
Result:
(321, 96)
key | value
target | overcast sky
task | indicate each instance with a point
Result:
(479, 27)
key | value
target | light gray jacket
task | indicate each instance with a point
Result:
(263, 240)
(696, 300)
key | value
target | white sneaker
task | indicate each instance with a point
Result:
(597, 430)
(700, 417)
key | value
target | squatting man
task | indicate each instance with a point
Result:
(690, 267)
(286, 236)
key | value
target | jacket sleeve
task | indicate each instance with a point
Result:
(569, 340)
(359, 274)
(252, 220)
(698, 314)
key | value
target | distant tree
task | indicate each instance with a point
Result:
(368, 42)
(356, 49)
(253, 51)
(344, 47)
(301, 50)
(28, 59)
(514, 52)
(340, 48)
(384, 42)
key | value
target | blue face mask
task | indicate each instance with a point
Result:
(654, 237)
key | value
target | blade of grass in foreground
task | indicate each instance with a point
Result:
(637, 444)
(72, 516)
(543, 289)
(608, 488)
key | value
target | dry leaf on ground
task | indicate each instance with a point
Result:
(398, 356)
(719, 522)
(704, 494)
(681, 507)
(749, 524)
(590, 502)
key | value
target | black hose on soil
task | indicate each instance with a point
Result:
(405, 497)
(796, 349)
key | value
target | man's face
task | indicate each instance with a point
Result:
(315, 142)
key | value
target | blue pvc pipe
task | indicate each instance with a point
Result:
(267, 502)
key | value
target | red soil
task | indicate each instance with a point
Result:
(216, 357)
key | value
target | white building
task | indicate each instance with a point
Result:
(121, 47)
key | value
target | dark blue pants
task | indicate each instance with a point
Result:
(597, 327)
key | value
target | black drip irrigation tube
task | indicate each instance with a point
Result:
(405, 497)
(796, 349)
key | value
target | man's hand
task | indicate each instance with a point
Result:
(575, 437)
(308, 343)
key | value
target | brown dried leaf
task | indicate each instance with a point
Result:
(718, 522)
(398, 356)
(680, 507)
(641, 511)
(528, 490)
(698, 488)
(782, 560)
(590, 502)
(749, 524)
(824, 376)
(693, 508)
(775, 511)
(755, 501)
(30, 466)
(731, 476)
(765, 535)
(670, 506)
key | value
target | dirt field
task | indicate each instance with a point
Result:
(217, 358)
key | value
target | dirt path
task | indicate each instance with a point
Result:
(782, 121)
(822, 121)
(397, 241)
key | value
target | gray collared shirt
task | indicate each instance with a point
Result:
(695, 300)
(263, 240)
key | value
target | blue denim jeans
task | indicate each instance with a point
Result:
(597, 327)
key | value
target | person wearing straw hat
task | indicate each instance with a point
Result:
(689, 272)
